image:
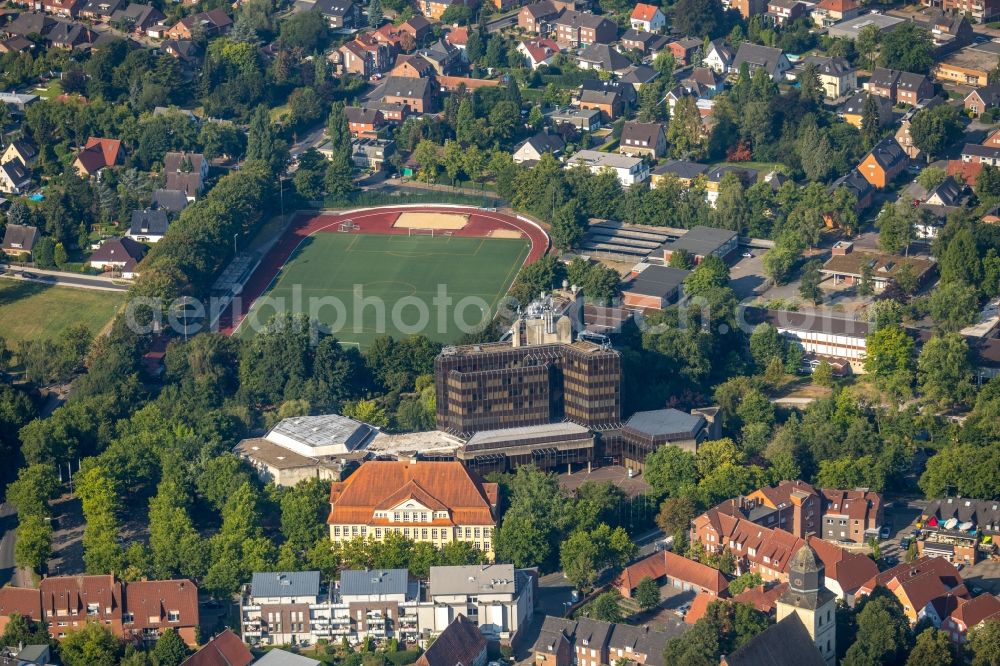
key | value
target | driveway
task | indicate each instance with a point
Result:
(65, 279)
(985, 574)
(8, 523)
(747, 277)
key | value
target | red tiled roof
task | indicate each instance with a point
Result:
(540, 49)
(967, 171)
(226, 649)
(850, 570)
(457, 36)
(941, 567)
(838, 5)
(26, 602)
(65, 593)
(449, 484)
(669, 564)
(762, 598)
(644, 12)
(109, 149)
(150, 601)
(970, 613)
(920, 590)
(856, 504)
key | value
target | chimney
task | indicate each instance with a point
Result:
(842, 248)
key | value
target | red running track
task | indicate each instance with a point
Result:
(371, 221)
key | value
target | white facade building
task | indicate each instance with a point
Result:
(630, 170)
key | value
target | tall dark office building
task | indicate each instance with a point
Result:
(539, 377)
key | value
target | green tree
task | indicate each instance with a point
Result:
(263, 141)
(931, 177)
(303, 513)
(568, 226)
(867, 44)
(303, 30)
(33, 546)
(895, 227)
(647, 593)
(176, 548)
(94, 645)
(933, 648)
(953, 306)
(809, 284)
(34, 487)
(935, 129)
(675, 515)
(883, 633)
(375, 15)
(766, 344)
(984, 644)
(908, 48)
(606, 607)
(170, 649)
(823, 375)
(681, 259)
(101, 552)
(743, 582)
(889, 351)
(711, 273)
(946, 371)
(871, 123)
(684, 129)
(585, 554)
(671, 471)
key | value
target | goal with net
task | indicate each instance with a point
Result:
(413, 231)
(347, 225)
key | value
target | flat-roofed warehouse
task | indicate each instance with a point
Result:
(850, 28)
(701, 241)
(547, 446)
(653, 287)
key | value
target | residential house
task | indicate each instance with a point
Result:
(685, 51)
(414, 66)
(185, 172)
(837, 76)
(674, 570)
(949, 31)
(364, 60)
(602, 57)
(18, 241)
(853, 110)
(388, 496)
(646, 43)
(153, 606)
(576, 29)
(118, 255)
(435, 9)
(700, 242)
(171, 201)
(371, 154)
(68, 36)
(851, 515)
(26, 24)
(14, 177)
(98, 154)
(982, 99)
(535, 18)
(226, 649)
(857, 185)
(22, 150)
(772, 60)
(884, 163)
(444, 57)
(380, 602)
(970, 614)
(340, 13)
(900, 87)
(847, 266)
(974, 153)
(416, 95)
(585, 120)
(100, 10)
(970, 66)
(137, 17)
(210, 24)
(638, 75)
(16, 45)
(703, 83)
(781, 12)
(982, 12)
(284, 608)
(713, 183)
(184, 50)
(60, 8)
(720, 57)
(531, 150)
(497, 598)
(148, 225)
(587, 642)
(629, 170)
(395, 38)
(538, 52)
(746, 8)
(960, 530)
(460, 644)
(612, 98)
(417, 27)
(947, 193)
(363, 121)
(643, 139)
(647, 17)
(829, 12)
(684, 171)
(459, 38)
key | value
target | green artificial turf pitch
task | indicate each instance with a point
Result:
(389, 268)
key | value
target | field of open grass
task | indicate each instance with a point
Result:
(30, 310)
(388, 269)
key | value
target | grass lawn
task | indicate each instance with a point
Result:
(51, 91)
(387, 269)
(30, 310)
(763, 168)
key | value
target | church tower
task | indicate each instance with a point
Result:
(807, 598)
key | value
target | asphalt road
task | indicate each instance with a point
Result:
(8, 522)
(64, 279)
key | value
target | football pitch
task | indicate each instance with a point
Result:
(361, 286)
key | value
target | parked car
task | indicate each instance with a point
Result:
(976, 591)
(683, 608)
(748, 255)
(885, 532)
(904, 543)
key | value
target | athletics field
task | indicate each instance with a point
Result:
(381, 280)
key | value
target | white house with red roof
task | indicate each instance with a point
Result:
(648, 18)
(538, 52)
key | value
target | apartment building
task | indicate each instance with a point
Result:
(851, 515)
(497, 598)
(429, 501)
(629, 170)
(587, 642)
(139, 611)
